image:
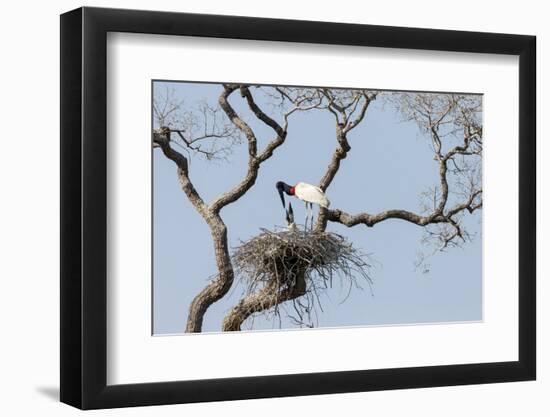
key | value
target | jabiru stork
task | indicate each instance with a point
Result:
(309, 194)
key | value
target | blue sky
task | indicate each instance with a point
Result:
(389, 165)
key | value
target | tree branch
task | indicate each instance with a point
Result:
(162, 139)
(254, 160)
(219, 286)
(339, 216)
(268, 297)
(340, 152)
(436, 217)
(245, 92)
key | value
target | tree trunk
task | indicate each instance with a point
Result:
(268, 297)
(223, 282)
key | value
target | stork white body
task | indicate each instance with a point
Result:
(311, 194)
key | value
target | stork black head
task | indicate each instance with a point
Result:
(283, 188)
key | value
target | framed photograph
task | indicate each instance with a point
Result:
(256, 208)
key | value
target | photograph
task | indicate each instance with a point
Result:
(279, 208)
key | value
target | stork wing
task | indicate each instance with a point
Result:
(311, 193)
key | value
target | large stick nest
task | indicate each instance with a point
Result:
(288, 259)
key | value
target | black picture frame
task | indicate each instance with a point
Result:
(84, 207)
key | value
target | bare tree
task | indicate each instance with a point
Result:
(452, 122)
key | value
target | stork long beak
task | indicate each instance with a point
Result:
(282, 195)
